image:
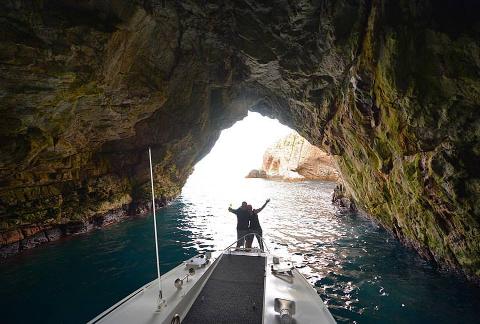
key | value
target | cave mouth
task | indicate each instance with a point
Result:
(238, 150)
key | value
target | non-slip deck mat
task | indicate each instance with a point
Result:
(232, 294)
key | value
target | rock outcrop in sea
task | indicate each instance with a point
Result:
(390, 88)
(342, 199)
(293, 158)
(255, 173)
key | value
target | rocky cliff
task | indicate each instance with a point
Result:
(293, 158)
(391, 88)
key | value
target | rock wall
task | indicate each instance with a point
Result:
(293, 158)
(390, 87)
(85, 89)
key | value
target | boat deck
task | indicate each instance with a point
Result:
(233, 293)
(235, 287)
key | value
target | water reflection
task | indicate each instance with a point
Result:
(359, 270)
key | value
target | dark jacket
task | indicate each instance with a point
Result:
(254, 222)
(243, 218)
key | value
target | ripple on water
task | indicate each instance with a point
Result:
(358, 269)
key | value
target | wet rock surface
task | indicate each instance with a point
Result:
(390, 88)
(342, 199)
(15, 241)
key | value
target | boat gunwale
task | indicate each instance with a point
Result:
(120, 303)
(142, 289)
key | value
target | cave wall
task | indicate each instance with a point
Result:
(407, 129)
(86, 88)
(391, 88)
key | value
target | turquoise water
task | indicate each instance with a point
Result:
(360, 271)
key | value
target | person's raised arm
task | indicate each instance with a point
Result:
(230, 209)
(261, 208)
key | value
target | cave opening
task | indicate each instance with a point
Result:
(239, 149)
(225, 177)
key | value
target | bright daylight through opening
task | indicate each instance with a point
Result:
(239, 150)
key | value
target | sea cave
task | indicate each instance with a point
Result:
(391, 89)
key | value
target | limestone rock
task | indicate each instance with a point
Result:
(293, 158)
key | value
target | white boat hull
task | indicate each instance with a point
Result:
(281, 281)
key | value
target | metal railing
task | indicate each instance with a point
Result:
(250, 248)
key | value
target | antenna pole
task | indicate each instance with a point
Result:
(155, 229)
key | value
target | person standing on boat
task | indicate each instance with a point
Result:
(255, 229)
(243, 217)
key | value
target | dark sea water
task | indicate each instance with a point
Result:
(359, 270)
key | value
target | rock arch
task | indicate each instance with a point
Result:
(390, 88)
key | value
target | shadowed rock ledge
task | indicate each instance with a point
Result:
(391, 88)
